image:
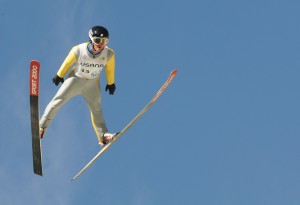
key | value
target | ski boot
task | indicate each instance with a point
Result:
(107, 137)
(42, 132)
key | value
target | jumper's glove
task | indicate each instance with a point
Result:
(56, 80)
(111, 88)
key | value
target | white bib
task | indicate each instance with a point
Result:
(89, 67)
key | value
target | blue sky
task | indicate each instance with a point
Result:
(225, 132)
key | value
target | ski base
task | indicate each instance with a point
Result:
(106, 147)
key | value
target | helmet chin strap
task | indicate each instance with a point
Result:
(92, 50)
(96, 46)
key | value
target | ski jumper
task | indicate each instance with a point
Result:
(83, 79)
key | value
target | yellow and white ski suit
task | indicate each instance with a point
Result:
(83, 79)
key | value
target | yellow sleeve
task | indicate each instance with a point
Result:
(110, 70)
(68, 62)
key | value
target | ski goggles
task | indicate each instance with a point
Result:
(99, 40)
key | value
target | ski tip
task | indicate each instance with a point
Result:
(35, 62)
(174, 72)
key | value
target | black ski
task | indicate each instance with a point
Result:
(35, 116)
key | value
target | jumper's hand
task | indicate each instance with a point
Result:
(56, 80)
(111, 88)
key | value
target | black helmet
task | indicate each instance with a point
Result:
(98, 31)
